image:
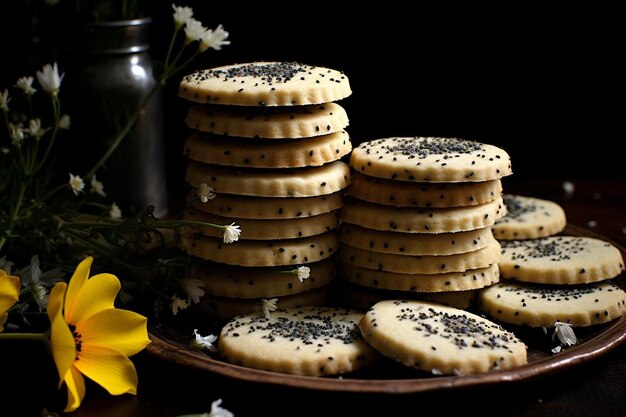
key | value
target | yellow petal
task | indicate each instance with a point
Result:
(75, 389)
(109, 368)
(76, 284)
(9, 291)
(98, 293)
(121, 330)
(61, 338)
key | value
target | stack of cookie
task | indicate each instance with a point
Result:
(563, 278)
(265, 155)
(420, 215)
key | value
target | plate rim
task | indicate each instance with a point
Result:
(591, 349)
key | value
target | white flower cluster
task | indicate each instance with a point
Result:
(195, 31)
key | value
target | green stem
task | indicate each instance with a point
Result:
(35, 337)
(14, 215)
(56, 109)
(169, 51)
(122, 134)
(189, 222)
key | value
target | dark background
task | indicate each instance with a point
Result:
(543, 84)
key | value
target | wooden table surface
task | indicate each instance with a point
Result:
(596, 388)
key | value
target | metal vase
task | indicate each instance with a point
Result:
(110, 75)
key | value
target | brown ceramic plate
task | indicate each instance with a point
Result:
(170, 345)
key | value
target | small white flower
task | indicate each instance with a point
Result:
(194, 30)
(181, 15)
(34, 128)
(49, 79)
(26, 84)
(565, 333)
(76, 183)
(556, 349)
(6, 265)
(217, 411)
(17, 133)
(303, 272)
(4, 100)
(64, 122)
(97, 187)
(214, 39)
(191, 286)
(268, 306)
(205, 192)
(231, 233)
(178, 304)
(204, 342)
(114, 212)
(40, 295)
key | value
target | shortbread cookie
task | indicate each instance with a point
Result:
(266, 208)
(362, 298)
(438, 339)
(560, 260)
(265, 84)
(410, 244)
(262, 253)
(300, 182)
(542, 305)
(269, 123)
(247, 282)
(529, 218)
(405, 264)
(435, 282)
(226, 308)
(311, 341)
(414, 220)
(268, 154)
(266, 229)
(408, 194)
(431, 160)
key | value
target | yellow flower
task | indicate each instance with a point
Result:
(90, 337)
(9, 294)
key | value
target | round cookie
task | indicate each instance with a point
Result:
(529, 218)
(297, 182)
(257, 153)
(542, 305)
(404, 264)
(560, 260)
(416, 220)
(248, 282)
(243, 207)
(265, 84)
(408, 244)
(262, 253)
(312, 341)
(450, 281)
(268, 122)
(430, 160)
(225, 308)
(266, 229)
(439, 339)
(407, 194)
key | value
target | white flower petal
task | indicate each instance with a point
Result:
(204, 342)
(231, 233)
(214, 39)
(303, 273)
(181, 15)
(49, 79)
(26, 85)
(268, 306)
(114, 212)
(178, 304)
(191, 286)
(76, 183)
